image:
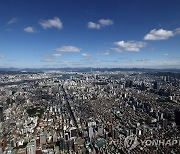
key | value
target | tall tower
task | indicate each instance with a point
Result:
(1, 113)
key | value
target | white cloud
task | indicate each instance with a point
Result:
(132, 46)
(29, 30)
(104, 53)
(68, 49)
(1, 56)
(85, 55)
(177, 31)
(161, 34)
(56, 55)
(101, 23)
(47, 60)
(92, 25)
(50, 58)
(51, 23)
(142, 60)
(117, 50)
(12, 21)
(105, 22)
(165, 54)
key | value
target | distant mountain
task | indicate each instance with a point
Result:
(9, 69)
(88, 69)
(170, 74)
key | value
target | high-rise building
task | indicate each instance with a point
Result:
(42, 138)
(55, 137)
(1, 113)
(73, 132)
(129, 83)
(75, 147)
(90, 133)
(177, 118)
(155, 85)
(1, 151)
(62, 144)
(31, 147)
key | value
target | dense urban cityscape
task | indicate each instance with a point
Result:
(89, 76)
(88, 112)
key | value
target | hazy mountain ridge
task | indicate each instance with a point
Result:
(88, 69)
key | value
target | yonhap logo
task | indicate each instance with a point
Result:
(131, 142)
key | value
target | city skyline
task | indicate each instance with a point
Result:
(90, 34)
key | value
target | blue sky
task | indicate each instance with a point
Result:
(90, 33)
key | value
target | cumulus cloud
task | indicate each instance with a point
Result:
(12, 21)
(29, 30)
(51, 23)
(47, 60)
(132, 46)
(105, 54)
(85, 55)
(56, 55)
(161, 34)
(50, 58)
(92, 25)
(105, 22)
(101, 23)
(117, 50)
(177, 31)
(68, 49)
